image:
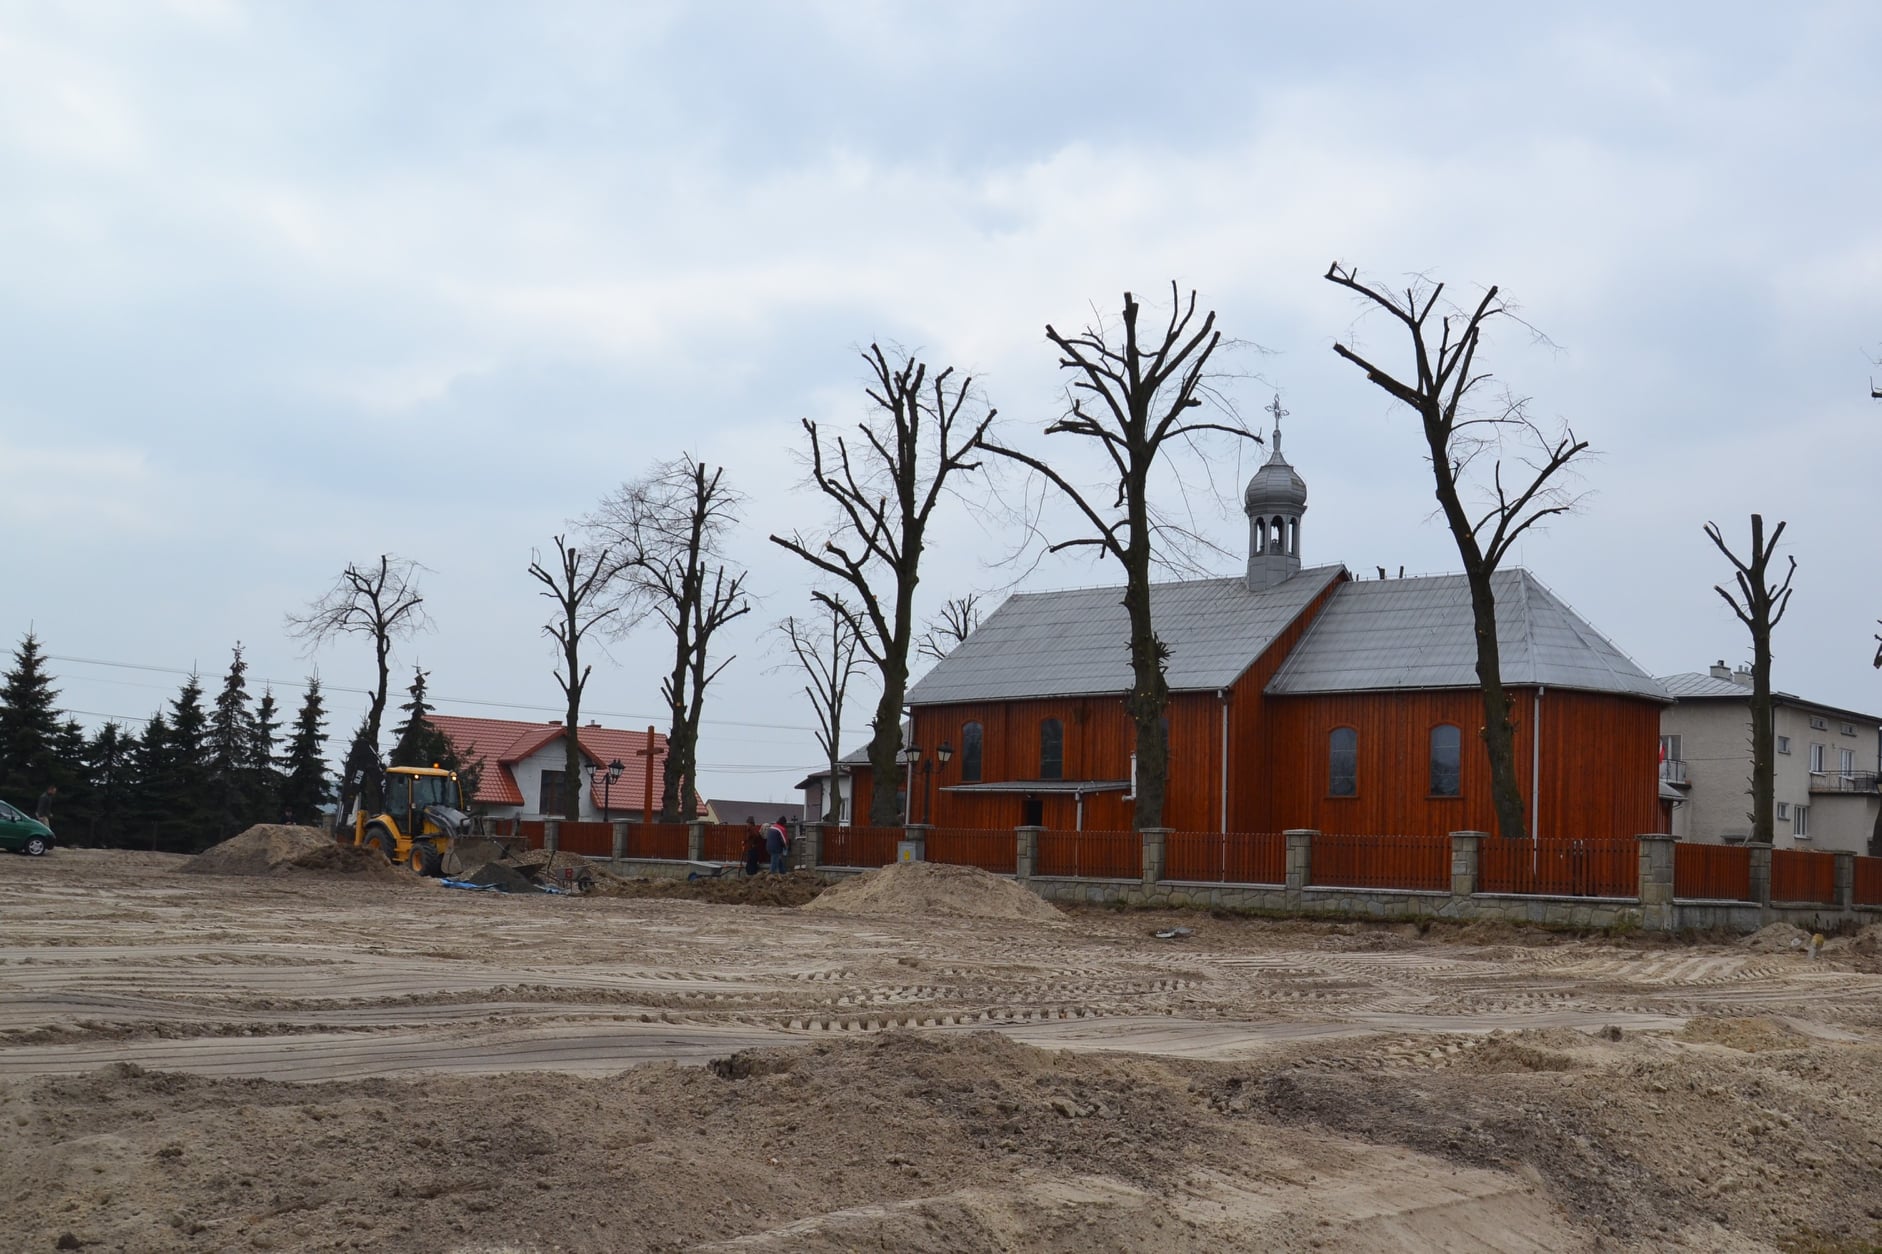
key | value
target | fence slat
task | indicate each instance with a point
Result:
(990, 849)
(1560, 867)
(1803, 875)
(1411, 862)
(858, 846)
(1091, 855)
(1869, 881)
(1226, 857)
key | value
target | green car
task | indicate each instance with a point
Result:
(22, 834)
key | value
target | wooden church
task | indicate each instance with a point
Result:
(1301, 698)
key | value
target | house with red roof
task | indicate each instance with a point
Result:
(525, 764)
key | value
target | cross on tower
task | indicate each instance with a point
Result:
(1274, 407)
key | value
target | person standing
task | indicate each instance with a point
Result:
(774, 846)
(754, 846)
(46, 798)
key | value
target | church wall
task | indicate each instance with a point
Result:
(1598, 767)
(1252, 744)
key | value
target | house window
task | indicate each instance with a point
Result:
(1052, 749)
(1783, 744)
(1818, 723)
(1783, 809)
(1846, 761)
(1849, 729)
(1816, 759)
(970, 753)
(550, 794)
(1669, 749)
(1343, 762)
(1800, 822)
(1447, 759)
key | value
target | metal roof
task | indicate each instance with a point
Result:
(1418, 633)
(1702, 685)
(1077, 643)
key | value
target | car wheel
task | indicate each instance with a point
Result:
(35, 846)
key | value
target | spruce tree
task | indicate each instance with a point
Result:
(109, 772)
(189, 823)
(421, 743)
(145, 808)
(305, 788)
(30, 734)
(227, 746)
(264, 778)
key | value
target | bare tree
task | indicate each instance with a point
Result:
(1132, 396)
(381, 601)
(957, 620)
(578, 585)
(827, 650)
(885, 490)
(1461, 428)
(669, 529)
(1759, 606)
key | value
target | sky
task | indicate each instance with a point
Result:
(290, 285)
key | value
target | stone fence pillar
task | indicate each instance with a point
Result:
(808, 846)
(1656, 882)
(1465, 847)
(695, 842)
(1156, 845)
(1026, 852)
(551, 834)
(1760, 873)
(917, 835)
(1299, 861)
(620, 838)
(1845, 882)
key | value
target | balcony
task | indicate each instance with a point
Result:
(1673, 771)
(1843, 781)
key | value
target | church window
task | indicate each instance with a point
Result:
(1051, 749)
(1293, 537)
(1343, 762)
(1447, 760)
(970, 753)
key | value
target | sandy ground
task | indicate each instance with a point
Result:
(208, 1062)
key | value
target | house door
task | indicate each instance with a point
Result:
(1032, 812)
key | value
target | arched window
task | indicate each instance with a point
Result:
(1261, 539)
(970, 753)
(1051, 749)
(1277, 535)
(1293, 537)
(1343, 762)
(1447, 761)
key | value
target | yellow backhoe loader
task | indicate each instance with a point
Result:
(423, 824)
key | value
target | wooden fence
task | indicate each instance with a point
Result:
(531, 832)
(990, 849)
(668, 841)
(1869, 881)
(1226, 857)
(725, 842)
(1608, 867)
(1091, 855)
(1803, 875)
(591, 840)
(1412, 862)
(1711, 872)
(858, 846)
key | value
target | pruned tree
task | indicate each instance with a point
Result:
(1462, 428)
(1132, 393)
(669, 530)
(579, 587)
(957, 620)
(1759, 605)
(827, 650)
(884, 489)
(381, 601)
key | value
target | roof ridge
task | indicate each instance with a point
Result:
(1579, 621)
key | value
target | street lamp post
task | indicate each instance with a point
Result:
(607, 788)
(941, 755)
(911, 754)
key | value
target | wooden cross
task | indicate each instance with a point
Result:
(647, 751)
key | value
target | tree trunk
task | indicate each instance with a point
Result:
(571, 747)
(1499, 733)
(679, 746)
(1150, 688)
(1763, 760)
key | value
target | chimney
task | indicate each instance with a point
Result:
(1720, 670)
(1742, 677)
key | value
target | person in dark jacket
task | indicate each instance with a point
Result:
(754, 846)
(44, 812)
(774, 846)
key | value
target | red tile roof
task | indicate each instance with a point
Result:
(502, 742)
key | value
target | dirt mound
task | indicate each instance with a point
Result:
(1526, 1051)
(1751, 1035)
(929, 889)
(278, 849)
(1778, 938)
(726, 890)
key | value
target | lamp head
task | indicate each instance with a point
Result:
(614, 771)
(945, 752)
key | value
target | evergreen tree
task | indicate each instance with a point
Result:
(264, 778)
(190, 815)
(421, 743)
(30, 735)
(305, 788)
(227, 747)
(149, 780)
(110, 775)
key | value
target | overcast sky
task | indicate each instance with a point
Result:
(285, 286)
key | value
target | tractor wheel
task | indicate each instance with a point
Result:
(386, 845)
(35, 846)
(425, 858)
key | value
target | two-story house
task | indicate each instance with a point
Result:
(1827, 764)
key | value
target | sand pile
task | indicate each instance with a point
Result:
(930, 889)
(277, 849)
(1778, 938)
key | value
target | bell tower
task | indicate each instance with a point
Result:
(1274, 502)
